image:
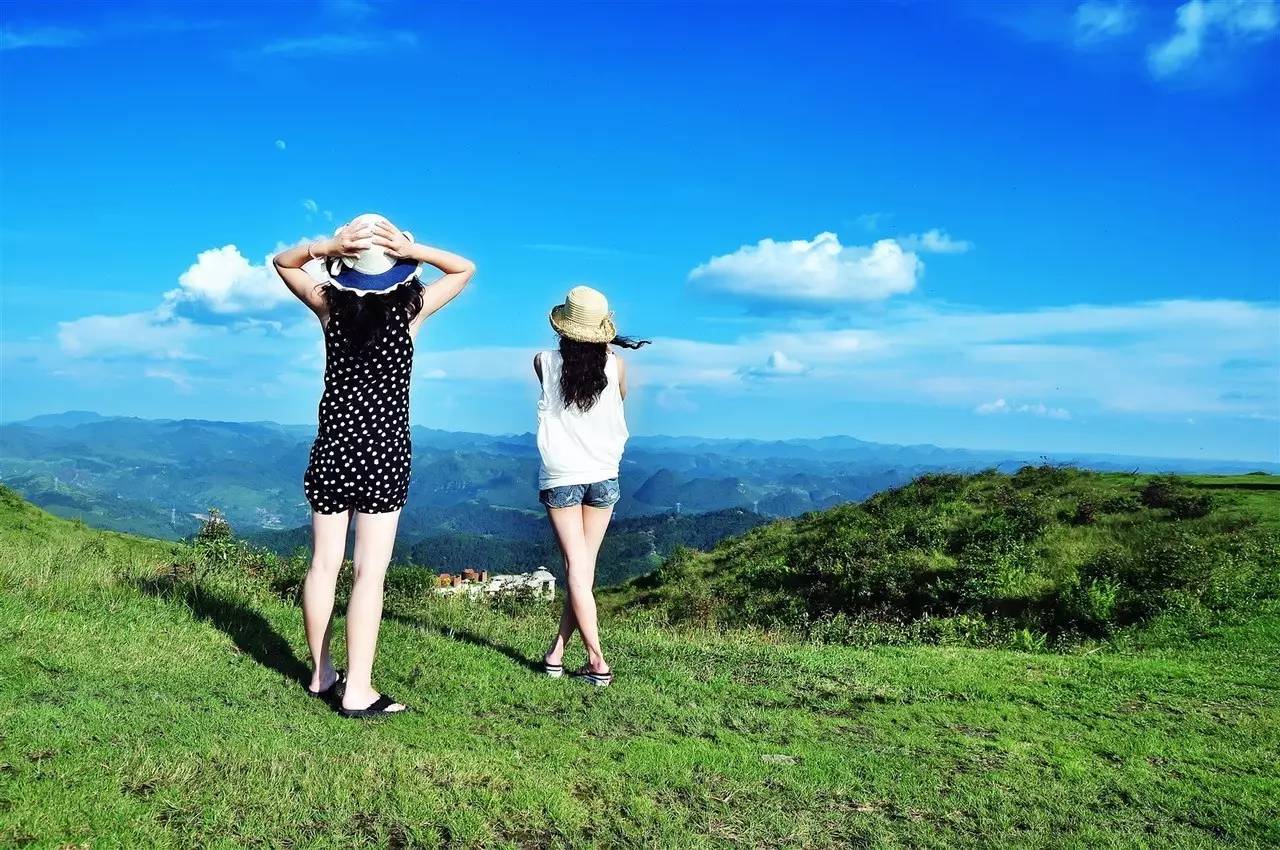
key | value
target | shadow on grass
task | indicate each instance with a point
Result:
(252, 633)
(466, 636)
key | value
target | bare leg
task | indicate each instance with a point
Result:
(375, 537)
(594, 524)
(568, 625)
(329, 544)
(571, 527)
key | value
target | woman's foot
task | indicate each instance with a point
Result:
(599, 674)
(381, 706)
(363, 704)
(553, 659)
(323, 681)
(596, 664)
(555, 653)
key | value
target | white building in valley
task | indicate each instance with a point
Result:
(540, 583)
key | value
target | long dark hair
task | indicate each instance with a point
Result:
(582, 376)
(365, 318)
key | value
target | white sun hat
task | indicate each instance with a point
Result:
(372, 270)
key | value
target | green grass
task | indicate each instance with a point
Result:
(144, 704)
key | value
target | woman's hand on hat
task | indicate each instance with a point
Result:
(348, 241)
(392, 240)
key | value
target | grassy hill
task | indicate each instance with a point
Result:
(1048, 554)
(150, 697)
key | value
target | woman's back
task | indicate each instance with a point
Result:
(579, 446)
(367, 390)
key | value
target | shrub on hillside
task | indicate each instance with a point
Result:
(1120, 503)
(1011, 517)
(1086, 512)
(1175, 495)
(1024, 552)
(1191, 505)
(1045, 475)
(689, 599)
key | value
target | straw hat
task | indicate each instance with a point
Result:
(371, 271)
(584, 316)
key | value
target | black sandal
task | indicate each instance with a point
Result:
(378, 709)
(600, 680)
(330, 693)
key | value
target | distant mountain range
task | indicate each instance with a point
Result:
(161, 477)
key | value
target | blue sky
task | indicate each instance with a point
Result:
(1047, 226)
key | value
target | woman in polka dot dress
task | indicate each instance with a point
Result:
(370, 308)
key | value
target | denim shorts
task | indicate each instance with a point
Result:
(602, 494)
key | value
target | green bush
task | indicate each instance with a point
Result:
(1022, 561)
(1120, 503)
(1191, 505)
(1175, 495)
(1086, 512)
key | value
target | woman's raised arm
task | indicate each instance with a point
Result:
(457, 270)
(347, 243)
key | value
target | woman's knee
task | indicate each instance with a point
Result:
(579, 581)
(324, 568)
(365, 572)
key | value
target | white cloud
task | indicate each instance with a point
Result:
(1153, 358)
(675, 399)
(1149, 358)
(871, 221)
(224, 281)
(1039, 409)
(1000, 406)
(105, 28)
(934, 242)
(179, 379)
(15, 39)
(779, 365)
(1097, 20)
(341, 43)
(817, 270)
(280, 144)
(1202, 25)
(310, 206)
(151, 334)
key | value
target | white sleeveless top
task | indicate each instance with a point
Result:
(578, 447)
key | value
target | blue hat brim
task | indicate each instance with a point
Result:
(402, 272)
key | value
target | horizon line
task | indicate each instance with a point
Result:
(1046, 453)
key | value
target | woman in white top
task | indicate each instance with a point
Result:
(581, 434)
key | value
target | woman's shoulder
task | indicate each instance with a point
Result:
(545, 359)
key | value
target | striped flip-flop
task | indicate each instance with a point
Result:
(600, 680)
(555, 671)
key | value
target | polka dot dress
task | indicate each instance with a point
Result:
(361, 455)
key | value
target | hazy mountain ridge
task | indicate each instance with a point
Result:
(80, 463)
